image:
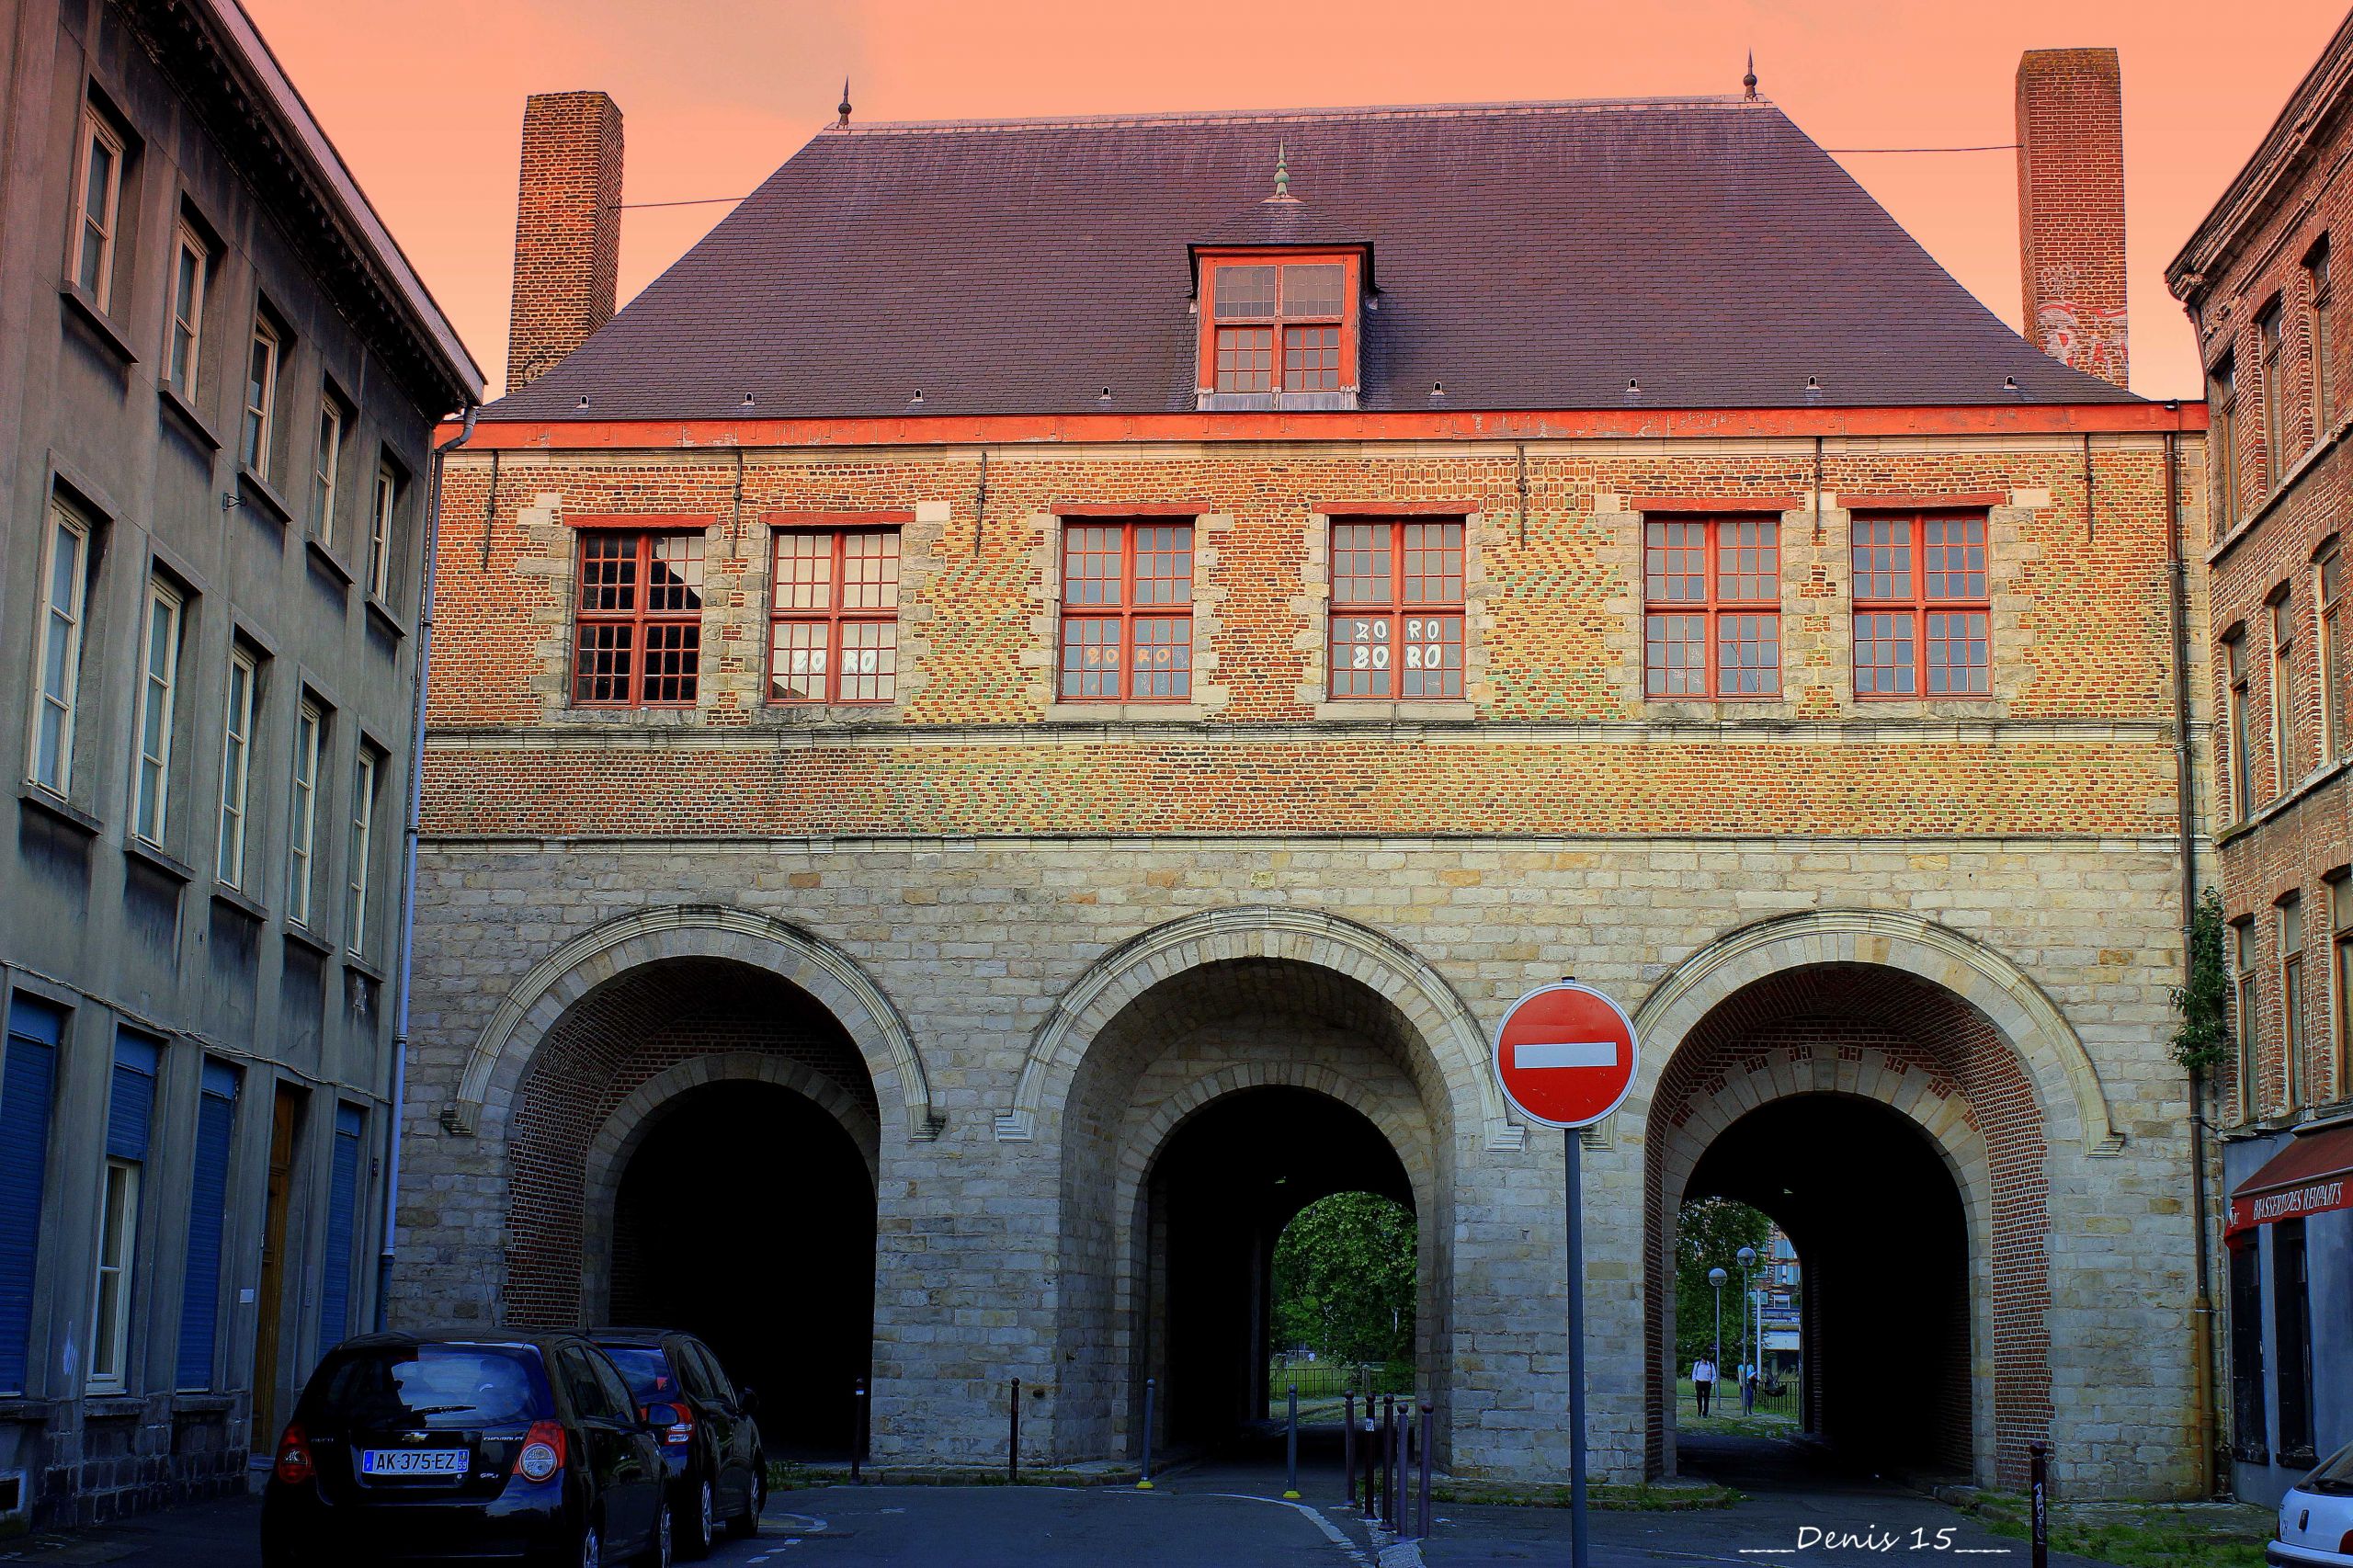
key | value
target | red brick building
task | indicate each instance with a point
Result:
(1054, 678)
(2257, 279)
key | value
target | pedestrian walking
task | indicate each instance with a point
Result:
(1747, 1388)
(1703, 1381)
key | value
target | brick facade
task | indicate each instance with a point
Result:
(567, 229)
(2071, 206)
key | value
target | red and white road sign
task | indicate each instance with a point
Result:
(1565, 1055)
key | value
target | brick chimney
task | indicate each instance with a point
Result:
(567, 229)
(2071, 206)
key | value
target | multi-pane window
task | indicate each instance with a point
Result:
(97, 202)
(1396, 611)
(2282, 694)
(1922, 618)
(236, 765)
(326, 470)
(2222, 440)
(833, 619)
(57, 660)
(1278, 326)
(2321, 323)
(384, 513)
(261, 397)
(2335, 645)
(2275, 394)
(150, 784)
(2340, 1012)
(2237, 699)
(2292, 1000)
(192, 270)
(638, 640)
(111, 1295)
(361, 850)
(1127, 624)
(2243, 1015)
(302, 823)
(1712, 586)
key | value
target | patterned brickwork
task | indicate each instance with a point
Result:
(567, 229)
(2071, 206)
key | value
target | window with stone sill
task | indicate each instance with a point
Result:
(100, 153)
(1279, 322)
(2272, 343)
(1711, 587)
(1396, 611)
(2286, 747)
(2336, 655)
(2222, 441)
(2243, 1015)
(2290, 915)
(638, 637)
(1923, 620)
(2319, 333)
(834, 616)
(2238, 727)
(1127, 612)
(2340, 1009)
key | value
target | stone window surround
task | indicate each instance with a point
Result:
(1313, 605)
(1043, 654)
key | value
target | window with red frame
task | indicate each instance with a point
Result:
(1278, 326)
(1396, 611)
(638, 642)
(834, 616)
(1714, 587)
(1922, 618)
(1127, 612)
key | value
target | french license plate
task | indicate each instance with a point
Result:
(412, 1462)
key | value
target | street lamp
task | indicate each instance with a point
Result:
(1747, 1256)
(1716, 1277)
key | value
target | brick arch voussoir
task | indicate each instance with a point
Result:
(2065, 1081)
(1443, 1024)
(574, 972)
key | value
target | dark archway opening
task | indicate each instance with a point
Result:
(746, 1217)
(1871, 1205)
(1222, 1189)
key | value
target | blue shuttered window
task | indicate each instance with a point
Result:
(343, 1197)
(132, 1104)
(216, 1119)
(27, 1076)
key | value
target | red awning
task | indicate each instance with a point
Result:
(2311, 1176)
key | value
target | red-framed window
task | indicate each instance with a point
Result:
(1127, 622)
(1712, 588)
(1278, 322)
(834, 616)
(638, 643)
(1923, 621)
(1396, 611)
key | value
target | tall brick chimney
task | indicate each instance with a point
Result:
(567, 229)
(2071, 206)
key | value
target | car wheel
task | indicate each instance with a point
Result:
(703, 1524)
(756, 1498)
(658, 1554)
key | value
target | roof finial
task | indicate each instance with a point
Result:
(1748, 83)
(1282, 170)
(843, 123)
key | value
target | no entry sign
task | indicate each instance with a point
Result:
(1565, 1055)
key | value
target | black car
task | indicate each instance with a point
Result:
(710, 1438)
(523, 1447)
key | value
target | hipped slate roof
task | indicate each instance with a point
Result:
(1526, 255)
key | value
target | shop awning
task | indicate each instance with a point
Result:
(2311, 1176)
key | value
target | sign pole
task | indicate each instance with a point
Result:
(1580, 1545)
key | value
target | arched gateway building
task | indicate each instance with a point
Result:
(1023, 711)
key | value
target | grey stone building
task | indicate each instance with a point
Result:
(219, 380)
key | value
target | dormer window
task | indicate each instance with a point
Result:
(1278, 330)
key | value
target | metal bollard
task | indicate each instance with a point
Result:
(1149, 1390)
(1389, 1459)
(1348, 1445)
(1371, 1458)
(1290, 1449)
(2039, 1496)
(1013, 1446)
(858, 1432)
(1424, 1533)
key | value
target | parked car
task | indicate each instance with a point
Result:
(522, 1447)
(2316, 1518)
(710, 1438)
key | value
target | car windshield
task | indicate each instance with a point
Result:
(438, 1387)
(645, 1369)
(2335, 1474)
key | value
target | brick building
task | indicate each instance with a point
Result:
(219, 383)
(2256, 279)
(1038, 695)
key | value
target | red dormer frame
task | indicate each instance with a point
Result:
(1291, 340)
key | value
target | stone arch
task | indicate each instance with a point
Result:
(2048, 1049)
(1419, 994)
(609, 1152)
(569, 974)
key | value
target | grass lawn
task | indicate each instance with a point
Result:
(1773, 1418)
(2142, 1535)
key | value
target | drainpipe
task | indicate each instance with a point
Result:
(2202, 1305)
(410, 829)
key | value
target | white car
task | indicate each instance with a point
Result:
(2316, 1518)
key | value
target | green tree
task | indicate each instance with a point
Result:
(1344, 1278)
(1710, 1235)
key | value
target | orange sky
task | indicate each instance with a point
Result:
(717, 93)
